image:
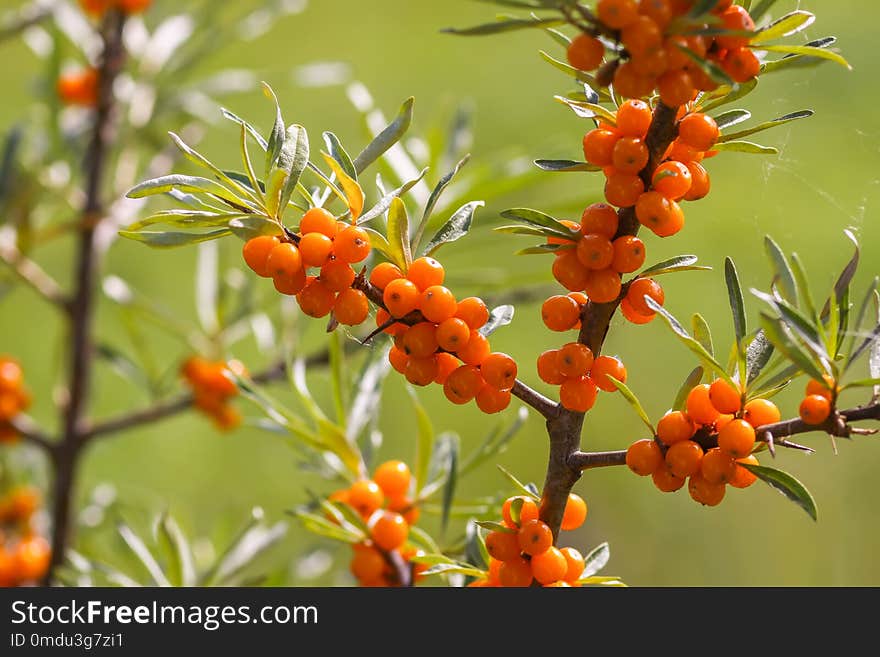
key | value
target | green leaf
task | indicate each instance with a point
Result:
(785, 484)
(841, 285)
(732, 117)
(387, 138)
(766, 125)
(805, 296)
(136, 544)
(811, 51)
(453, 568)
(187, 219)
(798, 61)
(235, 118)
(456, 227)
(338, 153)
(537, 218)
(384, 203)
(247, 226)
(525, 490)
(745, 147)
(434, 197)
(354, 194)
(500, 316)
(183, 568)
(796, 322)
(761, 8)
(379, 243)
(475, 547)
(492, 526)
(783, 276)
(339, 384)
(542, 249)
(864, 383)
(508, 25)
(758, 354)
(726, 94)
(587, 110)
(777, 333)
(171, 239)
(252, 180)
(702, 333)
(293, 159)
(737, 308)
(581, 76)
(692, 381)
(633, 401)
(425, 438)
(565, 165)
(710, 68)
(398, 233)
(242, 552)
(791, 23)
(187, 184)
(596, 560)
(200, 160)
(678, 263)
(276, 137)
(451, 482)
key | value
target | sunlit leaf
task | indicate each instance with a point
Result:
(785, 484)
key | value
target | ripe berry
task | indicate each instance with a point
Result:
(641, 37)
(683, 458)
(446, 365)
(737, 438)
(476, 350)
(365, 496)
(630, 155)
(548, 368)
(393, 477)
(528, 510)
(599, 145)
(352, 245)
(699, 406)
(284, 260)
(315, 249)
(578, 394)
(499, 370)
(398, 359)
(665, 481)
(318, 220)
(737, 19)
(815, 409)
(351, 308)
(503, 546)
(641, 288)
(705, 493)
(422, 371)
(585, 52)
(256, 252)
(599, 219)
(629, 254)
(438, 304)
(743, 478)
(384, 273)
(823, 388)
(699, 131)
(453, 334)
(574, 561)
(759, 412)
(675, 427)
(658, 10)
(32, 556)
(718, 467)
(426, 272)
(549, 566)
(515, 573)
(700, 182)
(12, 376)
(631, 315)
(575, 360)
(623, 189)
(676, 88)
(420, 341)
(388, 530)
(534, 537)
(672, 179)
(367, 564)
(741, 64)
(595, 252)
(725, 397)
(337, 275)
(570, 271)
(491, 400)
(659, 214)
(617, 14)
(630, 83)
(560, 313)
(463, 384)
(603, 286)
(401, 297)
(79, 88)
(634, 118)
(575, 512)
(134, 6)
(316, 299)
(291, 285)
(644, 457)
(473, 312)
(605, 367)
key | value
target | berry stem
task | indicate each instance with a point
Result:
(33, 275)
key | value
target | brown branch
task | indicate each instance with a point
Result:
(33, 275)
(28, 430)
(546, 407)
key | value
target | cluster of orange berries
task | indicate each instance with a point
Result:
(655, 57)
(14, 397)
(818, 401)
(675, 455)
(324, 244)
(213, 389)
(522, 551)
(438, 339)
(385, 504)
(579, 374)
(97, 8)
(24, 555)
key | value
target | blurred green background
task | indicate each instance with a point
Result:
(823, 181)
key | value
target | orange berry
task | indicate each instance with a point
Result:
(515, 573)
(316, 299)
(284, 260)
(491, 400)
(404, 505)
(438, 304)
(705, 493)
(351, 308)
(401, 297)
(718, 467)
(665, 481)
(737, 438)
(676, 58)
(499, 370)
(725, 397)
(644, 457)
(630, 155)
(574, 564)
(814, 409)
(315, 249)
(699, 406)
(683, 458)
(420, 341)
(814, 387)
(676, 87)
(422, 371)
(79, 88)
(575, 512)
(641, 36)
(737, 19)
(318, 220)
(699, 131)
(575, 360)
(573, 227)
(476, 350)
(599, 145)
(388, 530)
(560, 313)
(623, 189)
(96, 8)
(634, 119)
(365, 496)
(570, 272)
(700, 182)
(398, 359)
(580, 298)
(453, 334)
(741, 64)
(549, 566)
(759, 412)
(548, 368)
(368, 563)
(503, 546)
(291, 285)
(337, 275)
(658, 10)
(743, 478)
(629, 254)
(384, 273)
(595, 252)
(675, 427)
(528, 510)
(617, 13)
(578, 394)
(661, 215)
(256, 253)
(32, 556)
(396, 329)
(603, 286)
(599, 219)
(585, 52)
(393, 477)
(352, 245)
(681, 152)
(605, 367)
(631, 315)
(473, 312)
(426, 272)
(630, 83)
(446, 365)
(534, 537)
(12, 376)
(134, 6)
(641, 288)
(463, 384)
(672, 179)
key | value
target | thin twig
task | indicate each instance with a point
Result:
(32, 274)
(546, 407)
(26, 18)
(29, 431)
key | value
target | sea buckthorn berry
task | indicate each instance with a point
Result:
(351, 308)
(256, 253)
(503, 546)
(698, 131)
(367, 563)
(384, 273)
(463, 384)
(549, 566)
(337, 275)
(634, 118)
(420, 341)
(743, 478)
(476, 350)
(672, 179)
(352, 245)
(318, 220)
(623, 189)
(700, 182)
(815, 409)
(681, 152)
(676, 88)
(641, 36)
(676, 58)
(528, 510)
(651, 61)
(12, 376)
(290, 285)
(665, 481)
(95, 7)
(632, 316)
(641, 288)
(578, 394)
(683, 458)
(405, 506)
(629, 254)
(560, 313)
(630, 83)
(473, 312)
(426, 272)
(759, 412)
(599, 219)
(446, 365)
(32, 556)
(422, 371)
(396, 329)
(699, 406)
(735, 18)
(283, 260)
(737, 438)
(573, 227)
(617, 14)
(705, 493)
(814, 387)
(603, 286)
(398, 359)
(453, 334)
(741, 64)
(365, 496)
(675, 427)
(595, 252)
(393, 477)
(585, 52)
(575, 512)
(570, 272)
(580, 298)
(718, 467)
(438, 304)
(499, 370)
(79, 88)
(401, 297)
(575, 359)
(644, 456)
(659, 214)
(316, 299)
(630, 155)
(515, 573)
(725, 397)
(491, 400)
(315, 249)
(548, 368)
(599, 146)
(388, 530)
(534, 537)
(605, 367)
(658, 10)
(574, 564)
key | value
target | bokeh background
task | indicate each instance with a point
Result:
(824, 180)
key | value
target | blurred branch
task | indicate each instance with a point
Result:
(26, 18)
(29, 431)
(32, 274)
